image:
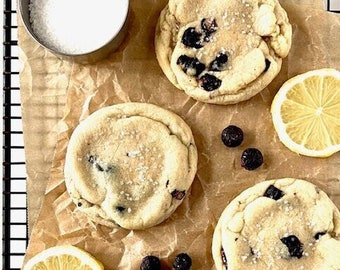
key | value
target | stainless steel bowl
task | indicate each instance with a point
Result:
(84, 58)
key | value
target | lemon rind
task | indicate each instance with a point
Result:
(279, 125)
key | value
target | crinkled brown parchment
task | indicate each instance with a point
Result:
(57, 94)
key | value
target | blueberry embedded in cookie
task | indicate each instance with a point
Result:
(294, 246)
(190, 65)
(192, 38)
(219, 63)
(279, 225)
(130, 165)
(273, 193)
(241, 44)
(209, 82)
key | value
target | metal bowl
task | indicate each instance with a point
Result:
(92, 56)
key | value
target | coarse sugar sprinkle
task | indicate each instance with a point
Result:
(76, 26)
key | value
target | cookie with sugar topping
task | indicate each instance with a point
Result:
(278, 224)
(222, 52)
(130, 165)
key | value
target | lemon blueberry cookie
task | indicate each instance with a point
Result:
(222, 51)
(278, 224)
(130, 165)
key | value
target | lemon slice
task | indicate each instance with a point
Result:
(306, 113)
(65, 257)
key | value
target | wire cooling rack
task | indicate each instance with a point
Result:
(14, 212)
(15, 233)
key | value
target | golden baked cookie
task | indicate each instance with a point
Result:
(278, 224)
(130, 165)
(222, 52)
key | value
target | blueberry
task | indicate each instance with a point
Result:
(232, 136)
(178, 194)
(208, 26)
(209, 82)
(267, 62)
(251, 159)
(219, 63)
(182, 262)
(224, 258)
(99, 168)
(110, 169)
(273, 193)
(318, 235)
(294, 245)
(91, 159)
(120, 209)
(192, 38)
(150, 263)
(190, 65)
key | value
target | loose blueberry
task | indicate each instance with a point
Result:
(232, 136)
(251, 159)
(150, 263)
(273, 193)
(178, 194)
(190, 65)
(208, 26)
(267, 62)
(294, 245)
(220, 62)
(182, 262)
(192, 38)
(209, 82)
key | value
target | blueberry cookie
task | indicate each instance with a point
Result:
(222, 52)
(278, 224)
(130, 165)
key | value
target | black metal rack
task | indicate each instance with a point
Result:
(15, 234)
(14, 212)
(333, 6)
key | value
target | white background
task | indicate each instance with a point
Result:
(18, 154)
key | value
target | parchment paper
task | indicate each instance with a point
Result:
(132, 73)
(44, 79)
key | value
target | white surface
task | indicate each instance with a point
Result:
(334, 5)
(19, 231)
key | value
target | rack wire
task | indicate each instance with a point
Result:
(15, 232)
(14, 227)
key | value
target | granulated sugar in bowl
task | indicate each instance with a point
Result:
(84, 30)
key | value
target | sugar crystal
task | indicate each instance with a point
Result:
(76, 26)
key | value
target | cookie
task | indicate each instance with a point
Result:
(130, 165)
(278, 224)
(222, 52)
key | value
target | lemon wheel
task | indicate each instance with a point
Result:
(306, 113)
(65, 257)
